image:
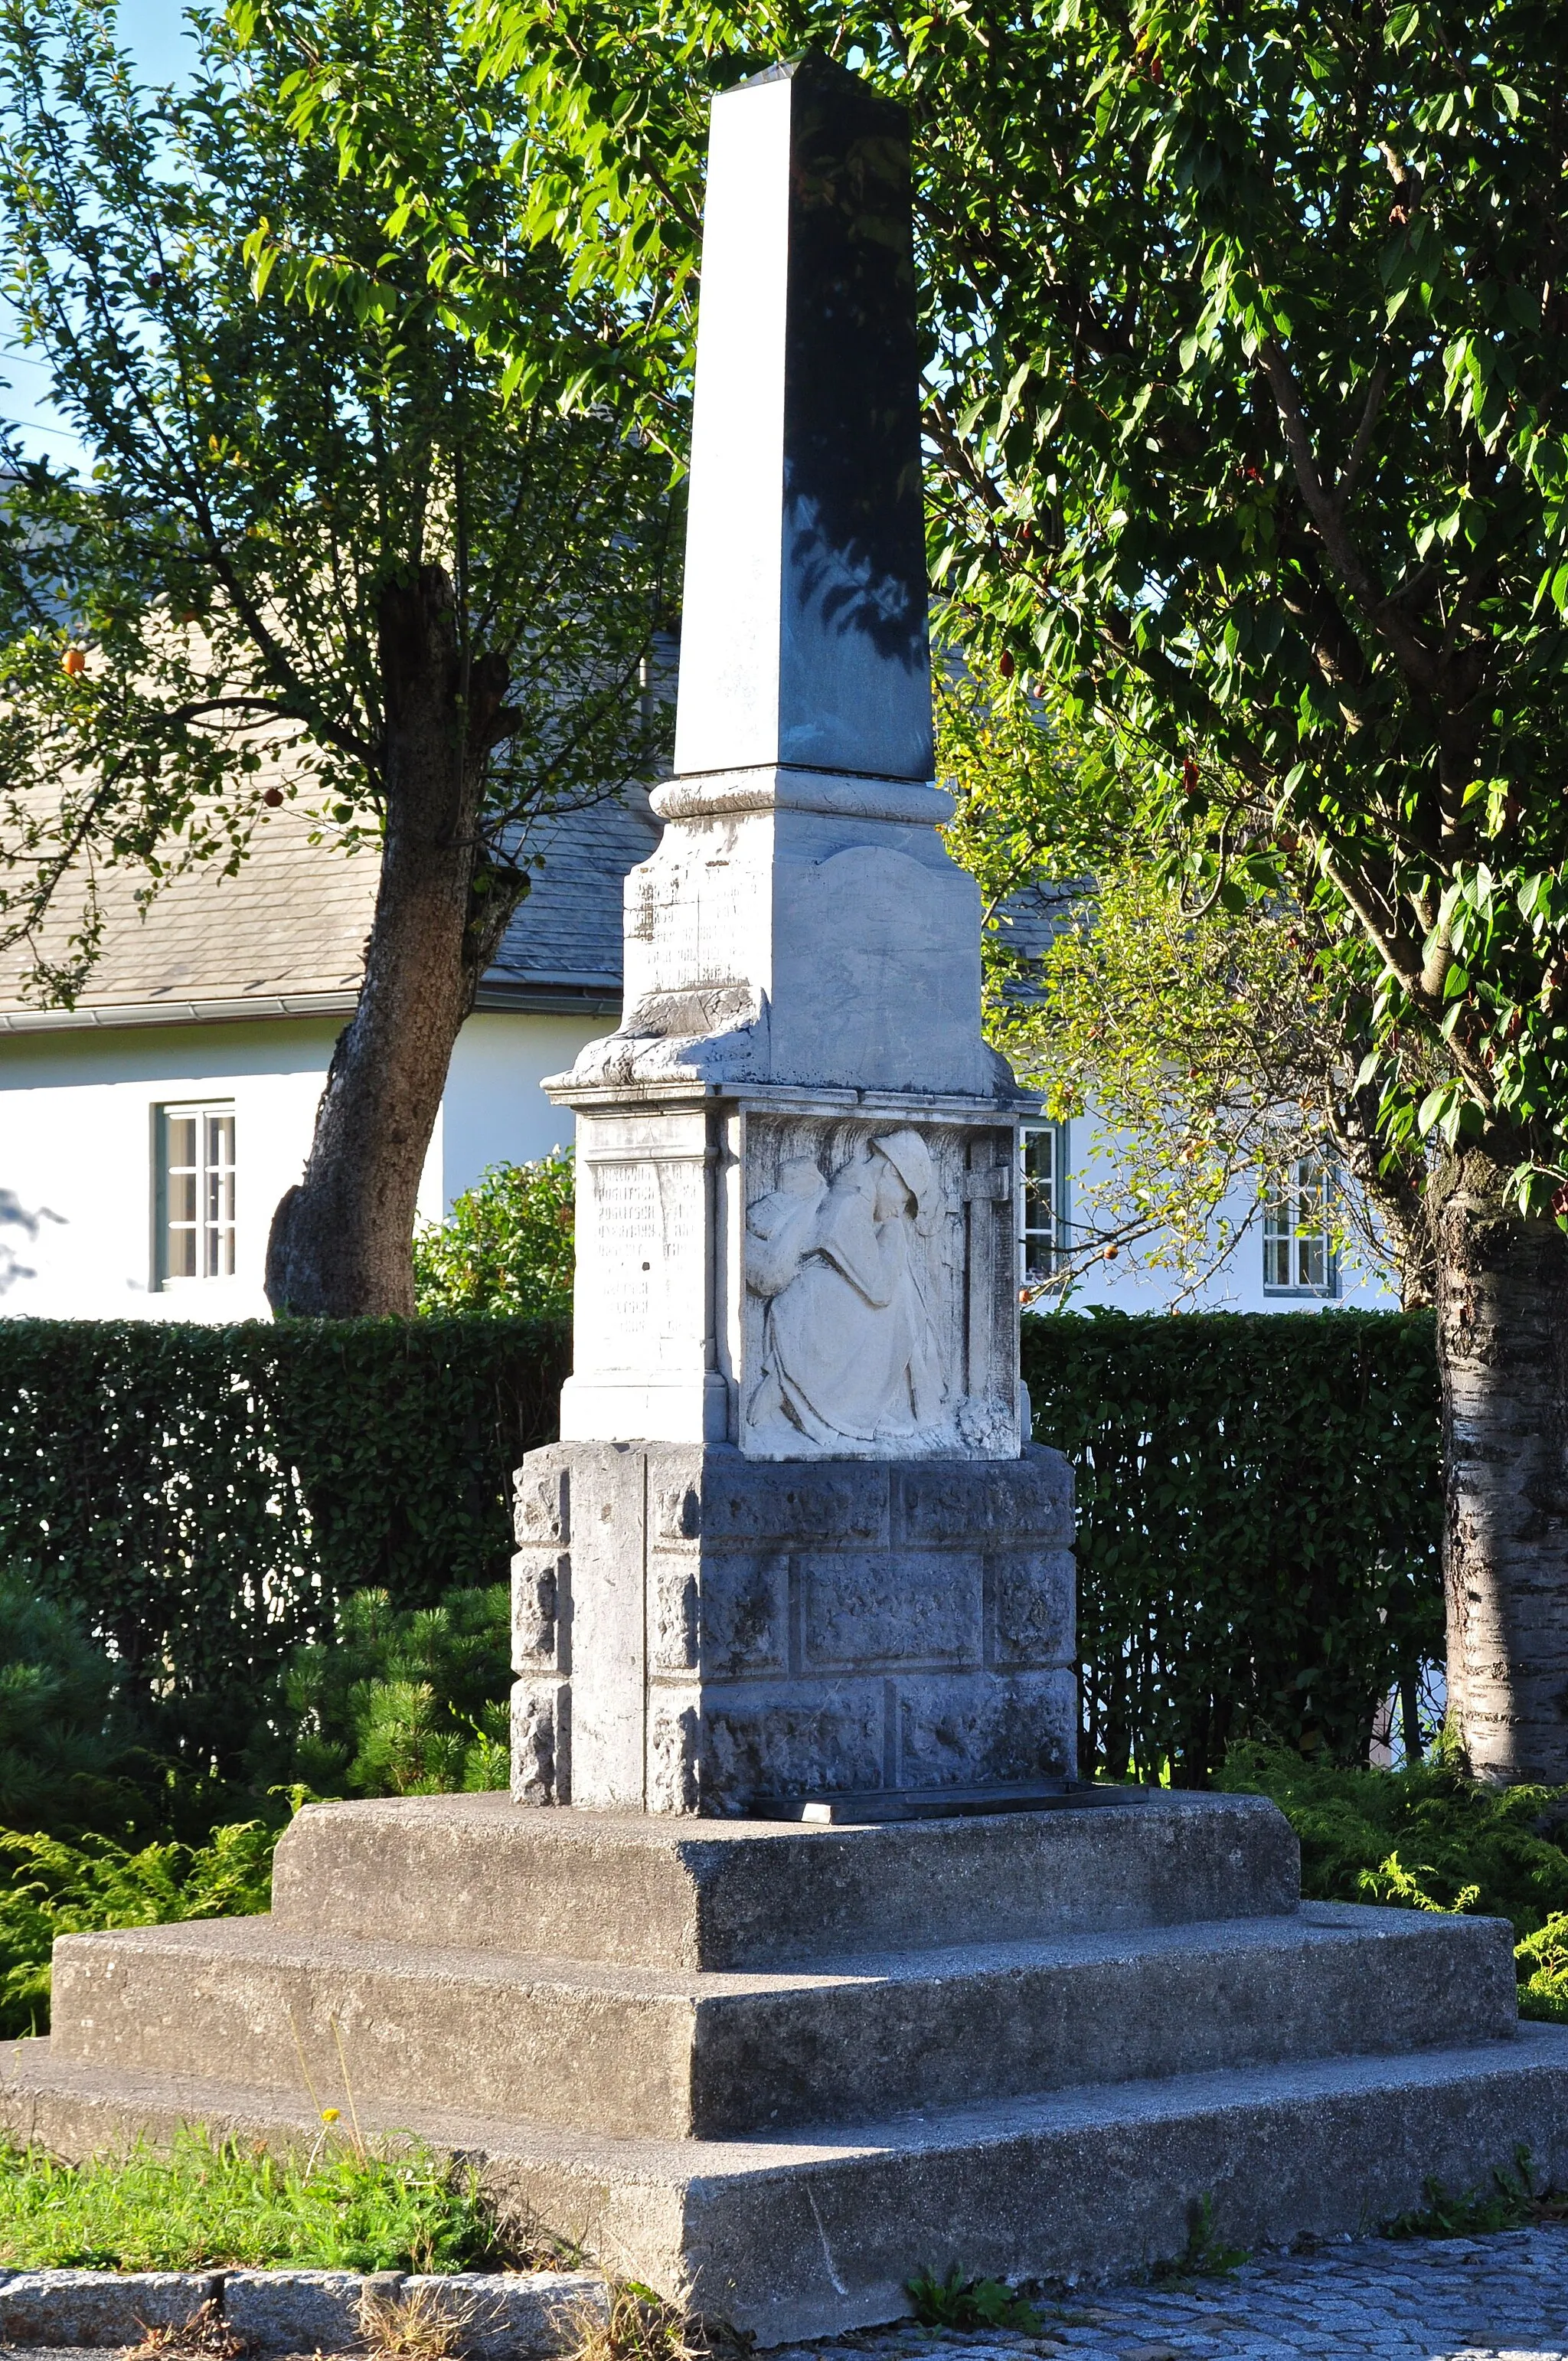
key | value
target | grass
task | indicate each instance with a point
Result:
(207, 2203)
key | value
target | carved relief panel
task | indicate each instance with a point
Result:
(879, 1317)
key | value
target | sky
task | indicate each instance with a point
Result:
(153, 30)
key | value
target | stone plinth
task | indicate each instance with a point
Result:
(773, 2070)
(696, 1632)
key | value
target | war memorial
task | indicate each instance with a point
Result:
(798, 1959)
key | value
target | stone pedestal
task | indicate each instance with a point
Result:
(697, 1633)
(771, 2071)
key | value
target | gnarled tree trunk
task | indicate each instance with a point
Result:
(340, 1241)
(1502, 1313)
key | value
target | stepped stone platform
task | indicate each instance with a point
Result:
(773, 2068)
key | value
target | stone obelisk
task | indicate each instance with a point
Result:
(791, 1543)
(793, 1563)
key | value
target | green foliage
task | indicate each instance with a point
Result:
(1258, 1524)
(56, 1753)
(1247, 415)
(285, 426)
(411, 1703)
(1513, 2202)
(957, 2301)
(1428, 1838)
(55, 1888)
(1541, 1960)
(221, 2202)
(505, 1247)
(1205, 2254)
(204, 1497)
(1207, 1042)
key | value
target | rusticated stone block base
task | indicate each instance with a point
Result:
(695, 1632)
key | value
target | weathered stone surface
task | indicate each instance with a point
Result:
(1031, 1602)
(518, 2313)
(482, 1872)
(635, 2052)
(718, 1496)
(937, 1502)
(800, 2236)
(739, 1631)
(96, 2307)
(859, 1611)
(1007, 1729)
(795, 1737)
(501, 2316)
(294, 2311)
(537, 1577)
(540, 1739)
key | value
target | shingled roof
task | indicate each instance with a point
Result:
(285, 936)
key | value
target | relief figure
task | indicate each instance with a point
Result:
(849, 1346)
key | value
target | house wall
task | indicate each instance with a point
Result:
(495, 1111)
(77, 1129)
(1133, 1283)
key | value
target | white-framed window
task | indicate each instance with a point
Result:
(194, 1193)
(1042, 1202)
(1297, 1247)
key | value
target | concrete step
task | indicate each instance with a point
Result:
(662, 2053)
(820, 2229)
(488, 1874)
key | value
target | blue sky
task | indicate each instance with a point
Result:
(153, 30)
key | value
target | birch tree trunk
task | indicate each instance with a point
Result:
(340, 1242)
(1502, 1313)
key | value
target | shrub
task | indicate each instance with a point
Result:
(57, 1755)
(1260, 1511)
(1444, 1836)
(204, 1497)
(56, 1888)
(405, 1702)
(507, 1246)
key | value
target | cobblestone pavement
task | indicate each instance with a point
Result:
(1501, 2298)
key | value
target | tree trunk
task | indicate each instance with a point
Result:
(340, 1243)
(1502, 1315)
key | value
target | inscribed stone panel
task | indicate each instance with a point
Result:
(910, 1609)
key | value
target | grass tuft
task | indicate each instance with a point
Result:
(1514, 2202)
(639, 2324)
(205, 2336)
(207, 2203)
(412, 2327)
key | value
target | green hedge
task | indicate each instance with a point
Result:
(1258, 1503)
(205, 1495)
(1259, 1519)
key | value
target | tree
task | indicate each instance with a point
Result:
(318, 512)
(1250, 332)
(1204, 1038)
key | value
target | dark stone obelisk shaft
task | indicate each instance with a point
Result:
(804, 636)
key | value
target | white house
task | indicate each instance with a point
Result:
(146, 1135)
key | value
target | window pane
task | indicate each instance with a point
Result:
(1040, 1202)
(198, 1184)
